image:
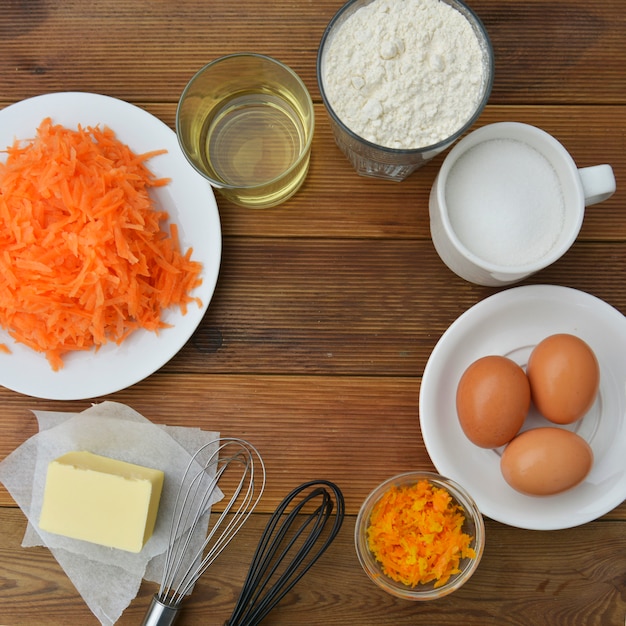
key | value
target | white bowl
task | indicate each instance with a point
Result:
(511, 323)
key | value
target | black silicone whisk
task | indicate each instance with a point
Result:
(296, 535)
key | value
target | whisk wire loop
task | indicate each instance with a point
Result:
(265, 585)
(317, 518)
(236, 519)
(189, 519)
(291, 543)
(184, 561)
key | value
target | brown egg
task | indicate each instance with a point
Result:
(546, 461)
(492, 400)
(564, 378)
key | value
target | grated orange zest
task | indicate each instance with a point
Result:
(416, 534)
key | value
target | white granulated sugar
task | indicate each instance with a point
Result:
(404, 73)
(505, 202)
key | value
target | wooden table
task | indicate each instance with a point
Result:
(328, 307)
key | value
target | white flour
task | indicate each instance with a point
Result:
(404, 73)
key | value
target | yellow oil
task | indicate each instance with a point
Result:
(253, 140)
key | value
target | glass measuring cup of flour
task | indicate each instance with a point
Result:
(508, 201)
(368, 154)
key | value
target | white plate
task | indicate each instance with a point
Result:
(511, 323)
(190, 202)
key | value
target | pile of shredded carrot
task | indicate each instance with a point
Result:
(416, 534)
(83, 257)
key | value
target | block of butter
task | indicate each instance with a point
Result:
(101, 500)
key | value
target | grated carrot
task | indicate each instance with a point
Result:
(416, 534)
(83, 257)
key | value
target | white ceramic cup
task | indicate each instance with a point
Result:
(511, 206)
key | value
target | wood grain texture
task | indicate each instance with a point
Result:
(305, 427)
(546, 52)
(581, 588)
(335, 203)
(355, 431)
(329, 306)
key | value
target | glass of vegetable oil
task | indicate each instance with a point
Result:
(245, 122)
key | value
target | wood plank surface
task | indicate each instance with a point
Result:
(546, 52)
(331, 204)
(506, 589)
(328, 307)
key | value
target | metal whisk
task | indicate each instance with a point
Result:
(291, 543)
(238, 467)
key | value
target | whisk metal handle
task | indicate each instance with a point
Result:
(160, 614)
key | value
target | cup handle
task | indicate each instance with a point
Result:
(598, 183)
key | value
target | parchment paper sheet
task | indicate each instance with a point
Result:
(106, 578)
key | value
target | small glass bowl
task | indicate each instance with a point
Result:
(473, 526)
(376, 161)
